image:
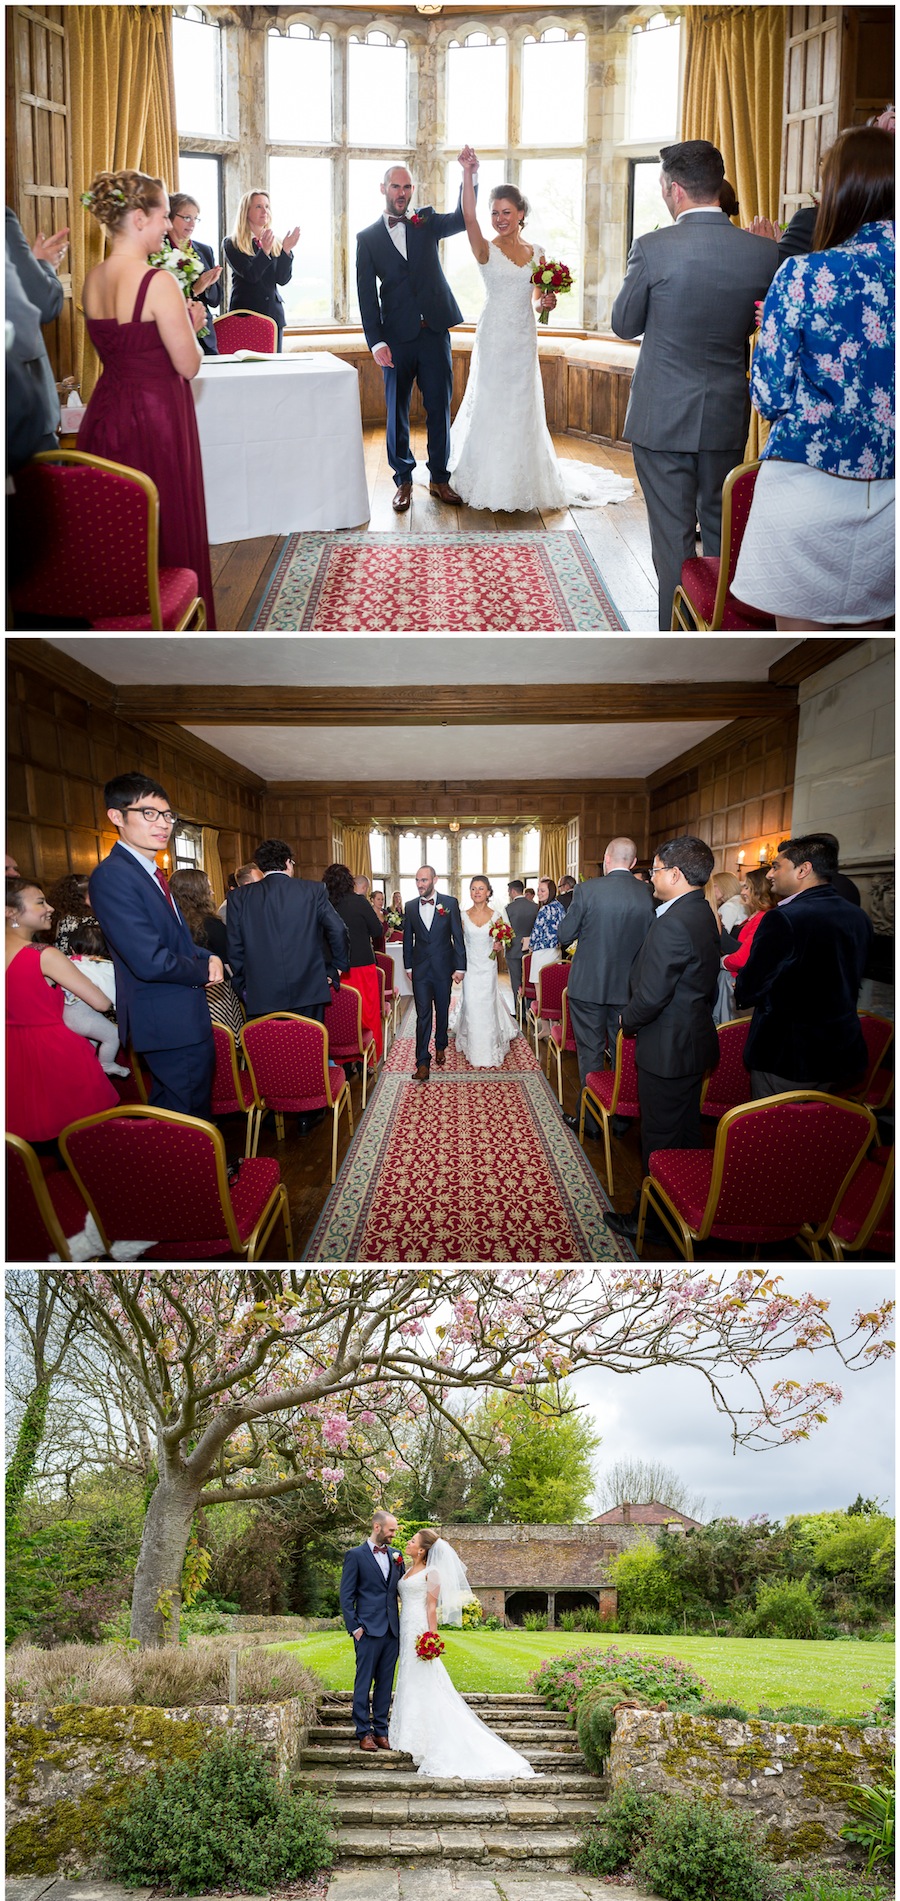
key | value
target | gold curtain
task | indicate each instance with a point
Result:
(357, 856)
(212, 863)
(553, 851)
(123, 115)
(734, 95)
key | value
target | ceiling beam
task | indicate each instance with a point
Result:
(809, 657)
(579, 704)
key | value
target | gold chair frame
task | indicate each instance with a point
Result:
(685, 618)
(334, 1103)
(364, 1054)
(194, 616)
(276, 1206)
(840, 1249)
(654, 1196)
(37, 1182)
(559, 1049)
(251, 1113)
(604, 1115)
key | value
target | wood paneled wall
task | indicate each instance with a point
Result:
(39, 148)
(735, 791)
(63, 746)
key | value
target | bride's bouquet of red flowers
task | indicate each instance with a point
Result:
(428, 1646)
(502, 934)
(551, 275)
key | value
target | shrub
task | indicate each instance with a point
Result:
(596, 1722)
(80, 1616)
(871, 1828)
(560, 1680)
(646, 1624)
(534, 1620)
(492, 1623)
(645, 1585)
(722, 1710)
(794, 1713)
(170, 1678)
(472, 1615)
(698, 1851)
(611, 1842)
(570, 1620)
(225, 1821)
(790, 1607)
(822, 1884)
(884, 1707)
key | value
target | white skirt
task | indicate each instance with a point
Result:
(818, 547)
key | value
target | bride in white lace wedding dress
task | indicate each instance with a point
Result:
(429, 1719)
(483, 1027)
(501, 453)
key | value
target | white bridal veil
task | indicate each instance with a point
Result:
(455, 1590)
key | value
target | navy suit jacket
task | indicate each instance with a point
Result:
(437, 952)
(806, 964)
(278, 930)
(673, 987)
(366, 1598)
(395, 294)
(160, 971)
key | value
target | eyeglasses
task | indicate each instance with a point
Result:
(149, 812)
(184, 217)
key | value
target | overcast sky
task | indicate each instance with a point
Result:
(668, 1415)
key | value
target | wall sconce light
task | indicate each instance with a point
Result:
(454, 825)
(764, 854)
(740, 858)
(165, 861)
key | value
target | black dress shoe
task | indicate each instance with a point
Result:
(591, 1131)
(306, 1123)
(621, 1125)
(627, 1226)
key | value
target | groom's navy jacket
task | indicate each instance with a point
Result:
(368, 1599)
(437, 952)
(396, 294)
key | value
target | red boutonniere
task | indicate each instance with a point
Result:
(418, 217)
(441, 910)
(396, 1557)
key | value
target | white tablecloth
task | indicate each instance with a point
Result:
(282, 445)
(402, 984)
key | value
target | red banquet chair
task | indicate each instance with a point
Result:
(150, 1174)
(562, 1042)
(84, 546)
(287, 1057)
(611, 1092)
(703, 600)
(391, 996)
(232, 1087)
(347, 1040)
(865, 1218)
(779, 1170)
(549, 993)
(246, 330)
(42, 1209)
(527, 993)
(728, 1082)
(385, 1008)
(879, 1034)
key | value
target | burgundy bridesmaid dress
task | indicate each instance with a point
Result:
(142, 414)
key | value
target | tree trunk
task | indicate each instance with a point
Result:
(28, 1439)
(156, 1599)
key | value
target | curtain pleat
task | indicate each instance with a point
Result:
(553, 851)
(733, 95)
(357, 856)
(123, 116)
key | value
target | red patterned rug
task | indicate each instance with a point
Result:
(421, 583)
(475, 1165)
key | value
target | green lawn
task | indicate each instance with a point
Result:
(842, 1678)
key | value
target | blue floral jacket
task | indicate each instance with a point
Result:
(823, 368)
(545, 929)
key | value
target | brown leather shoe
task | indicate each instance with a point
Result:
(381, 1742)
(444, 493)
(367, 1742)
(440, 1057)
(402, 498)
(421, 1074)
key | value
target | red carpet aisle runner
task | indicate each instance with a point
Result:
(474, 1165)
(421, 583)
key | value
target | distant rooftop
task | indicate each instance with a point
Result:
(652, 1514)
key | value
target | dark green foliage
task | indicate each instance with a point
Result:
(622, 1825)
(789, 1607)
(660, 1680)
(795, 1713)
(225, 1823)
(587, 1617)
(649, 1624)
(698, 1851)
(534, 1620)
(720, 1710)
(822, 1884)
(871, 1827)
(28, 1439)
(491, 1623)
(595, 1721)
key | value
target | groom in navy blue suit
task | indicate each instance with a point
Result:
(370, 1611)
(434, 958)
(407, 310)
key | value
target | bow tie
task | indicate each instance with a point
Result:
(393, 221)
(426, 900)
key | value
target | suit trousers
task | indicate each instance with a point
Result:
(428, 361)
(670, 1113)
(679, 490)
(182, 1078)
(764, 1082)
(428, 994)
(514, 971)
(594, 1027)
(376, 1661)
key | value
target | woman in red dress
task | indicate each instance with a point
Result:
(758, 898)
(52, 1075)
(142, 411)
(365, 932)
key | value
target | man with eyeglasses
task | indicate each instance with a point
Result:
(160, 972)
(670, 1010)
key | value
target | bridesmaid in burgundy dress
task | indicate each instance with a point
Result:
(142, 411)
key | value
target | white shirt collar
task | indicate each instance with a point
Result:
(688, 213)
(149, 864)
(669, 903)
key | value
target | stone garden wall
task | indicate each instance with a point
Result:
(793, 1777)
(66, 1765)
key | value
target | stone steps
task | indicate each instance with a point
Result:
(386, 1813)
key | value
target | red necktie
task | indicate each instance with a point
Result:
(163, 883)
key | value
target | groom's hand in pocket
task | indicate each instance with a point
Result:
(357, 1634)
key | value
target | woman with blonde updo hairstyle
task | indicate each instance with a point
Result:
(142, 411)
(259, 262)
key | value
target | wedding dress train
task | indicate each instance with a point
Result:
(501, 453)
(483, 1027)
(429, 1719)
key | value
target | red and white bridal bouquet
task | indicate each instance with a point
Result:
(502, 934)
(428, 1646)
(551, 275)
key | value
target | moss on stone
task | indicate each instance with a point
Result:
(797, 1844)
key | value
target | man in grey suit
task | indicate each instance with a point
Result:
(689, 293)
(521, 912)
(610, 917)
